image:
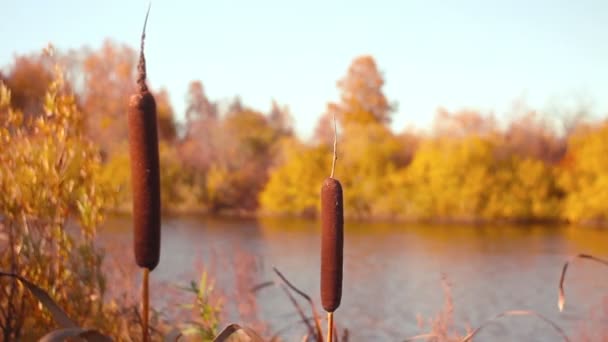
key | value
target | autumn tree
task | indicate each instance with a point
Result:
(530, 135)
(280, 119)
(240, 167)
(523, 189)
(167, 130)
(49, 176)
(228, 150)
(463, 123)
(583, 175)
(108, 75)
(368, 149)
(196, 147)
(362, 98)
(198, 106)
(102, 77)
(292, 188)
(324, 130)
(236, 105)
(408, 140)
(28, 78)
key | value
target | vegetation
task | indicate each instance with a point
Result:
(49, 177)
(64, 164)
(229, 158)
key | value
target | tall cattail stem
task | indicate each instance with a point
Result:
(330, 327)
(146, 304)
(333, 161)
(332, 241)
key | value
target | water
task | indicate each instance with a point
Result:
(393, 273)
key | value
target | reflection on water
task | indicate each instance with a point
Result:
(392, 272)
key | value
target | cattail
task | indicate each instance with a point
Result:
(332, 224)
(332, 241)
(145, 180)
(143, 143)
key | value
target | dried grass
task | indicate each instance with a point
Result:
(561, 301)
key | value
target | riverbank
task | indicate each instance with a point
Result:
(446, 221)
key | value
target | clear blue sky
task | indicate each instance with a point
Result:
(455, 54)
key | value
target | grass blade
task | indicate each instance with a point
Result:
(173, 336)
(307, 298)
(299, 309)
(420, 337)
(517, 313)
(61, 335)
(60, 317)
(236, 333)
(561, 301)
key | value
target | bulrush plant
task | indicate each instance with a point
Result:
(332, 242)
(145, 175)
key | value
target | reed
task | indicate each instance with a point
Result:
(332, 221)
(145, 175)
(332, 242)
(561, 301)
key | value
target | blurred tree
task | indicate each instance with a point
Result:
(293, 187)
(99, 79)
(584, 175)
(523, 189)
(408, 140)
(280, 119)
(109, 75)
(28, 79)
(239, 169)
(324, 131)
(167, 130)
(463, 123)
(196, 148)
(529, 135)
(450, 178)
(49, 176)
(198, 108)
(362, 99)
(236, 105)
(229, 155)
(104, 78)
(367, 153)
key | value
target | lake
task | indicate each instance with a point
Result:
(393, 273)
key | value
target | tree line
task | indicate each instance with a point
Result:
(226, 157)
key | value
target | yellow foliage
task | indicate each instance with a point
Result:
(450, 177)
(524, 188)
(174, 178)
(50, 174)
(294, 187)
(584, 175)
(366, 156)
(365, 159)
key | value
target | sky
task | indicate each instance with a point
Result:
(473, 54)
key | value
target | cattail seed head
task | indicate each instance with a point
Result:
(145, 176)
(332, 242)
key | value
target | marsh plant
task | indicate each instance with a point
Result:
(51, 202)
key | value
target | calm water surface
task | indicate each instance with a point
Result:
(393, 272)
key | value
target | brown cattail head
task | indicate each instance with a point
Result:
(332, 243)
(145, 176)
(145, 171)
